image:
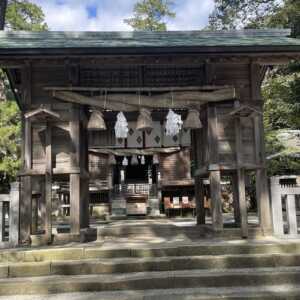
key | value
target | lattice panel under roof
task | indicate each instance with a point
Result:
(143, 76)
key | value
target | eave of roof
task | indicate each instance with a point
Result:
(31, 43)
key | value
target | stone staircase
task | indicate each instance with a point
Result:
(220, 270)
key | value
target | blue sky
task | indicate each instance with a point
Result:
(108, 15)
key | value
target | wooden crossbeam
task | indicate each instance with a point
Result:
(138, 89)
(132, 102)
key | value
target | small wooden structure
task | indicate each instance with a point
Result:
(60, 77)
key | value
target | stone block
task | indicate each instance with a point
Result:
(54, 254)
(29, 269)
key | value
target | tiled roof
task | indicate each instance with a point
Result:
(73, 40)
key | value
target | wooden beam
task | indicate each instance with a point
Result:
(135, 90)
(132, 102)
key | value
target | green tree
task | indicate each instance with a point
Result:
(17, 15)
(234, 14)
(24, 15)
(151, 15)
(10, 130)
(281, 88)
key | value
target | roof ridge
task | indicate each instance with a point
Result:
(86, 34)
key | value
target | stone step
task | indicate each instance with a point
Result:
(151, 281)
(169, 230)
(279, 292)
(133, 265)
(95, 252)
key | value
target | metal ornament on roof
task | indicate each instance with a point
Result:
(173, 124)
(193, 120)
(121, 126)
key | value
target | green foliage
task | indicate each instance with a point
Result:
(10, 132)
(233, 14)
(20, 15)
(281, 89)
(23, 15)
(282, 103)
(150, 15)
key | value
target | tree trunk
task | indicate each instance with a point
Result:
(3, 5)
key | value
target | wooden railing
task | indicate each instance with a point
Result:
(135, 189)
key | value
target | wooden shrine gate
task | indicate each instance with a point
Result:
(62, 80)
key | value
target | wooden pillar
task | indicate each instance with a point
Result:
(42, 203)
(214, 170)
(242, 202)
(14, 214)
(84, 175)
(26, 188)
(277, 214)
(236, 205)
(291, 215)
(75, 177)
(216, 201)
(262, 187)
(2, 221)
(34, 223)
(79, 183)
(240, 182)
(262, 190)
(199, 196)
(48, 183)
(199, 188)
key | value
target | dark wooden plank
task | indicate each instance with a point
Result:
(216, 200)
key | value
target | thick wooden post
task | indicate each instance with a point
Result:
(262, 190)
(79, 183)
(199, 196)
(236, 205)
(42, 202)
(26, 188)
(199, 188)
(214, 170)
(262, 187)
(240, 176)
(14, 214)
(216, 201)
(75, 177)
(48, 183)
(291, 214)
(2, 221)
